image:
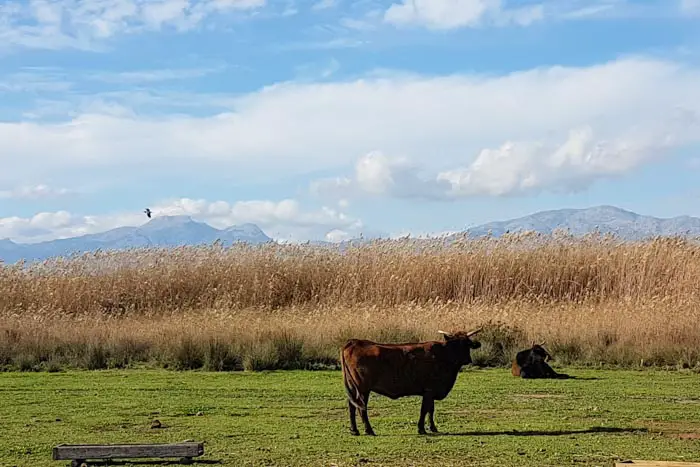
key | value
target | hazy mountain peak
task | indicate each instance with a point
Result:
(247, 229)
(168, 221)
(606, 219)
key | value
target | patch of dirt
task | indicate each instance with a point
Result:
(671, 429)
(688, 435)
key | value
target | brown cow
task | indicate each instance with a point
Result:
(427, 369)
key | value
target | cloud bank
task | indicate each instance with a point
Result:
(517, 167)
(441, 123)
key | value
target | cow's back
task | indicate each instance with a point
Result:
(393, 370)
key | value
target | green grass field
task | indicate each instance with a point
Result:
(300, 418)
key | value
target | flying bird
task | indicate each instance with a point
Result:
(148, 212)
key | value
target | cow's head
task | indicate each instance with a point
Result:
(540, 351)
(460, 345)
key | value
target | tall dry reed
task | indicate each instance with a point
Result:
(595, 299)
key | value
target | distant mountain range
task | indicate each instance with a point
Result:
(606, 219)
(159, 232)
(183, 230)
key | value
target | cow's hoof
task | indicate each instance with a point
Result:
(370, 433)
(355, 432)
(434, 429)
(421, 431)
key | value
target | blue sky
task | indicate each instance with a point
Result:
(329, 118)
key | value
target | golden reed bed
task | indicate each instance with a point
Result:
(595, 300)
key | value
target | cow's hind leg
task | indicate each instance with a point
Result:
(353, 421)
(365, 418)
(431, 411)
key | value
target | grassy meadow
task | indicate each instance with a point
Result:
(596, 301)
(299, 418)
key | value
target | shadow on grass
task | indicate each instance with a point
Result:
(568, 377)
(595, 429)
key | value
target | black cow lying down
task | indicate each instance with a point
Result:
(532, 363)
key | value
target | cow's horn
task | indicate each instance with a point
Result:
(470, 334)
(443, 332)
(542, 344)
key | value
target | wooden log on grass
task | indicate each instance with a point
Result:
(81, 452)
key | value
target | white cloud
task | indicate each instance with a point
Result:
(285, 219)
(42, 225)
(34, 192)
(377, 174)
(518, 167)
(58, 24)
(294, 128)
(451, 14)
(337, 236)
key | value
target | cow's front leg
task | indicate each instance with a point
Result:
(353, 421)
(548, 371)
(365, 418)
(423, 410)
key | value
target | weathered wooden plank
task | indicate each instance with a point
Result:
(642, 463)
(123, 451)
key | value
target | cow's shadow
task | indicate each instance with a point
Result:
(592, 430)
(567, 377)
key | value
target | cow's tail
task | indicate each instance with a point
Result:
(350, 384)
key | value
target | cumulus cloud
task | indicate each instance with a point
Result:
(519, 167)
(451, 14)
(378, 174)
(293, 128)
(337, 236)
(34, 192)
(42, 225)
(285, 219)
(57, 24)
